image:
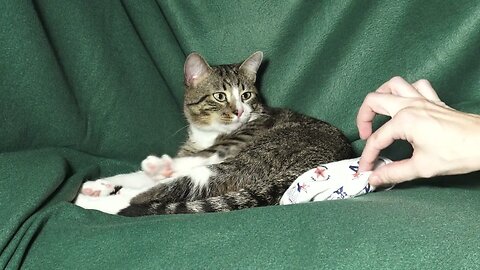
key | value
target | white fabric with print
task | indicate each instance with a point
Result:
(332, 181)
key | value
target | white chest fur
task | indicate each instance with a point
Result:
(203, 138)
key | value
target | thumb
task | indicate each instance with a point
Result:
(392, 173)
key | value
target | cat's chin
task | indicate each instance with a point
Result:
(227, 128)
(238, 122)
(235, 124)
(219, 127)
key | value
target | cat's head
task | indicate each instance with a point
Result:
(221, 98)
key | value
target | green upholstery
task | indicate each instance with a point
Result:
(89, 88)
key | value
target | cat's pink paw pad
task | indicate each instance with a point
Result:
(97, 188)
(87, 191)
(158, 167)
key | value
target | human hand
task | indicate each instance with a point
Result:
(445, 141)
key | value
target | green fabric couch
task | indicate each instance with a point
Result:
(90, 88)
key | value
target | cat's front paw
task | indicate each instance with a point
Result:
(159, 168)
(98, 188)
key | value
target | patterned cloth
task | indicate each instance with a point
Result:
(332, 181)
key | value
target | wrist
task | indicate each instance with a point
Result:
(470, 144)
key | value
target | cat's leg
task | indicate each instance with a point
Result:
(199, 191)
(147, 203)
(114, 203)
(109, 204)
(108, 186)
(142, 189)
(165, 167)
(158, 168)
(195, 184)
(97, 188)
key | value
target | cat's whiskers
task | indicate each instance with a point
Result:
(182, 128)
(225, 166)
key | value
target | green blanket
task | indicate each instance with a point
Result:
(90, 88)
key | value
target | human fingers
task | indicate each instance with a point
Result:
(399, 87)
(426, 90)
(379, 140)
(395, 172)
(378, 103)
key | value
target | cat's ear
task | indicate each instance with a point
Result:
(251, 65)
(195, 69)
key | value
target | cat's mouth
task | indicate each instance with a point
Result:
(232, 122)
(223, 127)
(235, 119)
(243, 119)
(229, 124)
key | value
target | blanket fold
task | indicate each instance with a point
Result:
(88, 89)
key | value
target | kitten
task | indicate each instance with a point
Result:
(239, 154)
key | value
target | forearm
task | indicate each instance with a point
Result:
(466, 155)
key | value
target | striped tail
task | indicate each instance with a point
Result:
(244, 198)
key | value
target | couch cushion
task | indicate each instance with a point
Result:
(88, 89)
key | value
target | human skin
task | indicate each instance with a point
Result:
(445, 141)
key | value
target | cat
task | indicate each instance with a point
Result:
(240, 153)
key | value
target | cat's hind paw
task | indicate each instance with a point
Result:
(98, 188)
(159, 168)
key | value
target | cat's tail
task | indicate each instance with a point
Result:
(244, 198)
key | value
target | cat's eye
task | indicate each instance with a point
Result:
(220, 96)
(246, 96)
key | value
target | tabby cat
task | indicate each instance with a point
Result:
(239, 154)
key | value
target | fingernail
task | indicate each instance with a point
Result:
(374, 180)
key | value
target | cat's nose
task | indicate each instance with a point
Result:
(238, 112)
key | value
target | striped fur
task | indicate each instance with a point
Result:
(259, 159)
